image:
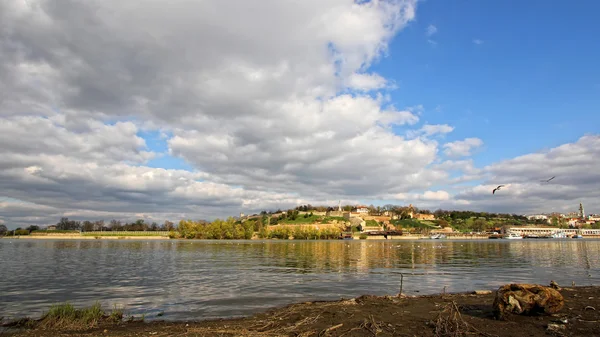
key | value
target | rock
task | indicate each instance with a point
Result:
(554, 285)
(556, 327)
(526, 299)
(482, 292)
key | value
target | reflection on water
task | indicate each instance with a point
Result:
(207, 279)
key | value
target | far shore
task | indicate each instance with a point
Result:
(162, 237)
(82, 237)
(356, 237)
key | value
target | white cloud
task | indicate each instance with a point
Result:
(366, 82)
(462, 148)
(429, 130)
(431, 29)
(575, 165)
(477, 41)
(436, 195)
(251, 102)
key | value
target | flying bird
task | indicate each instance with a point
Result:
(496, 189)
(545, 181)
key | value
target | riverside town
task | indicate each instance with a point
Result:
(307, 222)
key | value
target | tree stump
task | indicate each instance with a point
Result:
(526, 299)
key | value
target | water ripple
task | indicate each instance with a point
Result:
(188, 280)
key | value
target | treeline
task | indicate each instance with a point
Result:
(218, 229)
(464, 215)
(113, 225)
(230, 229)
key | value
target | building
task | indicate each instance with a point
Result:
(537, 217)
(421, 216)
(51, 228)
(362, 209)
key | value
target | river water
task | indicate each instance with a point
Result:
(194, 280)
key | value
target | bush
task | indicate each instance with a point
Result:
(57, 231)
(363, 236)
(21, 232)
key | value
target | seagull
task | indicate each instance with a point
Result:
(545, 181)
(496, 189)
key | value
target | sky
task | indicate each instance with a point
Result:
(203, 109)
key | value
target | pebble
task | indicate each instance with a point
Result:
(105, 331)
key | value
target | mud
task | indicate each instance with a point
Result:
(439, 315)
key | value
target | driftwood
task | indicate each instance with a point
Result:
(526, 299)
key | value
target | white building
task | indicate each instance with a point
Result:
(594, 217)
(362, 209)
(537, 217)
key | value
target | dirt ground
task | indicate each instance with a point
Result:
(378, 316)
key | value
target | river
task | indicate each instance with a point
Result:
(195, 280)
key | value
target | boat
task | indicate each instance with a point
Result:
(559, 235)
(535, 236)
(577, 236)
(512, 236)
(495, 235)
(438, 236)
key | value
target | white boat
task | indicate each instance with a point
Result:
(438, 236)
(577, 236)
(559, 235)
(512, 236)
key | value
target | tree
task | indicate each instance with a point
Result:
(87, 226)
(3, 230)
(479, 225)
(99, 225)
(66, 224)
(169, 226)
(33, 228)
(443, 223)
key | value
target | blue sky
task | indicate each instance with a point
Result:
(533, 82)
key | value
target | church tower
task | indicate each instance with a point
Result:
(581, 212)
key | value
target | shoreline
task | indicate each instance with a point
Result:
(355, 238)
(82, 237)
(370, 315)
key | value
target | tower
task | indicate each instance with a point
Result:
(340, 206)
(581, 212)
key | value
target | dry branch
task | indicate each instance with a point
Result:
(450, 323)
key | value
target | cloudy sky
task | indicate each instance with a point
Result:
(202, 109)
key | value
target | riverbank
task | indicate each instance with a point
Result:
(374, 316)
(85, 237)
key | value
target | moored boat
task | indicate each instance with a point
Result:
(495, 235)
(438, 236)
(513, 236)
